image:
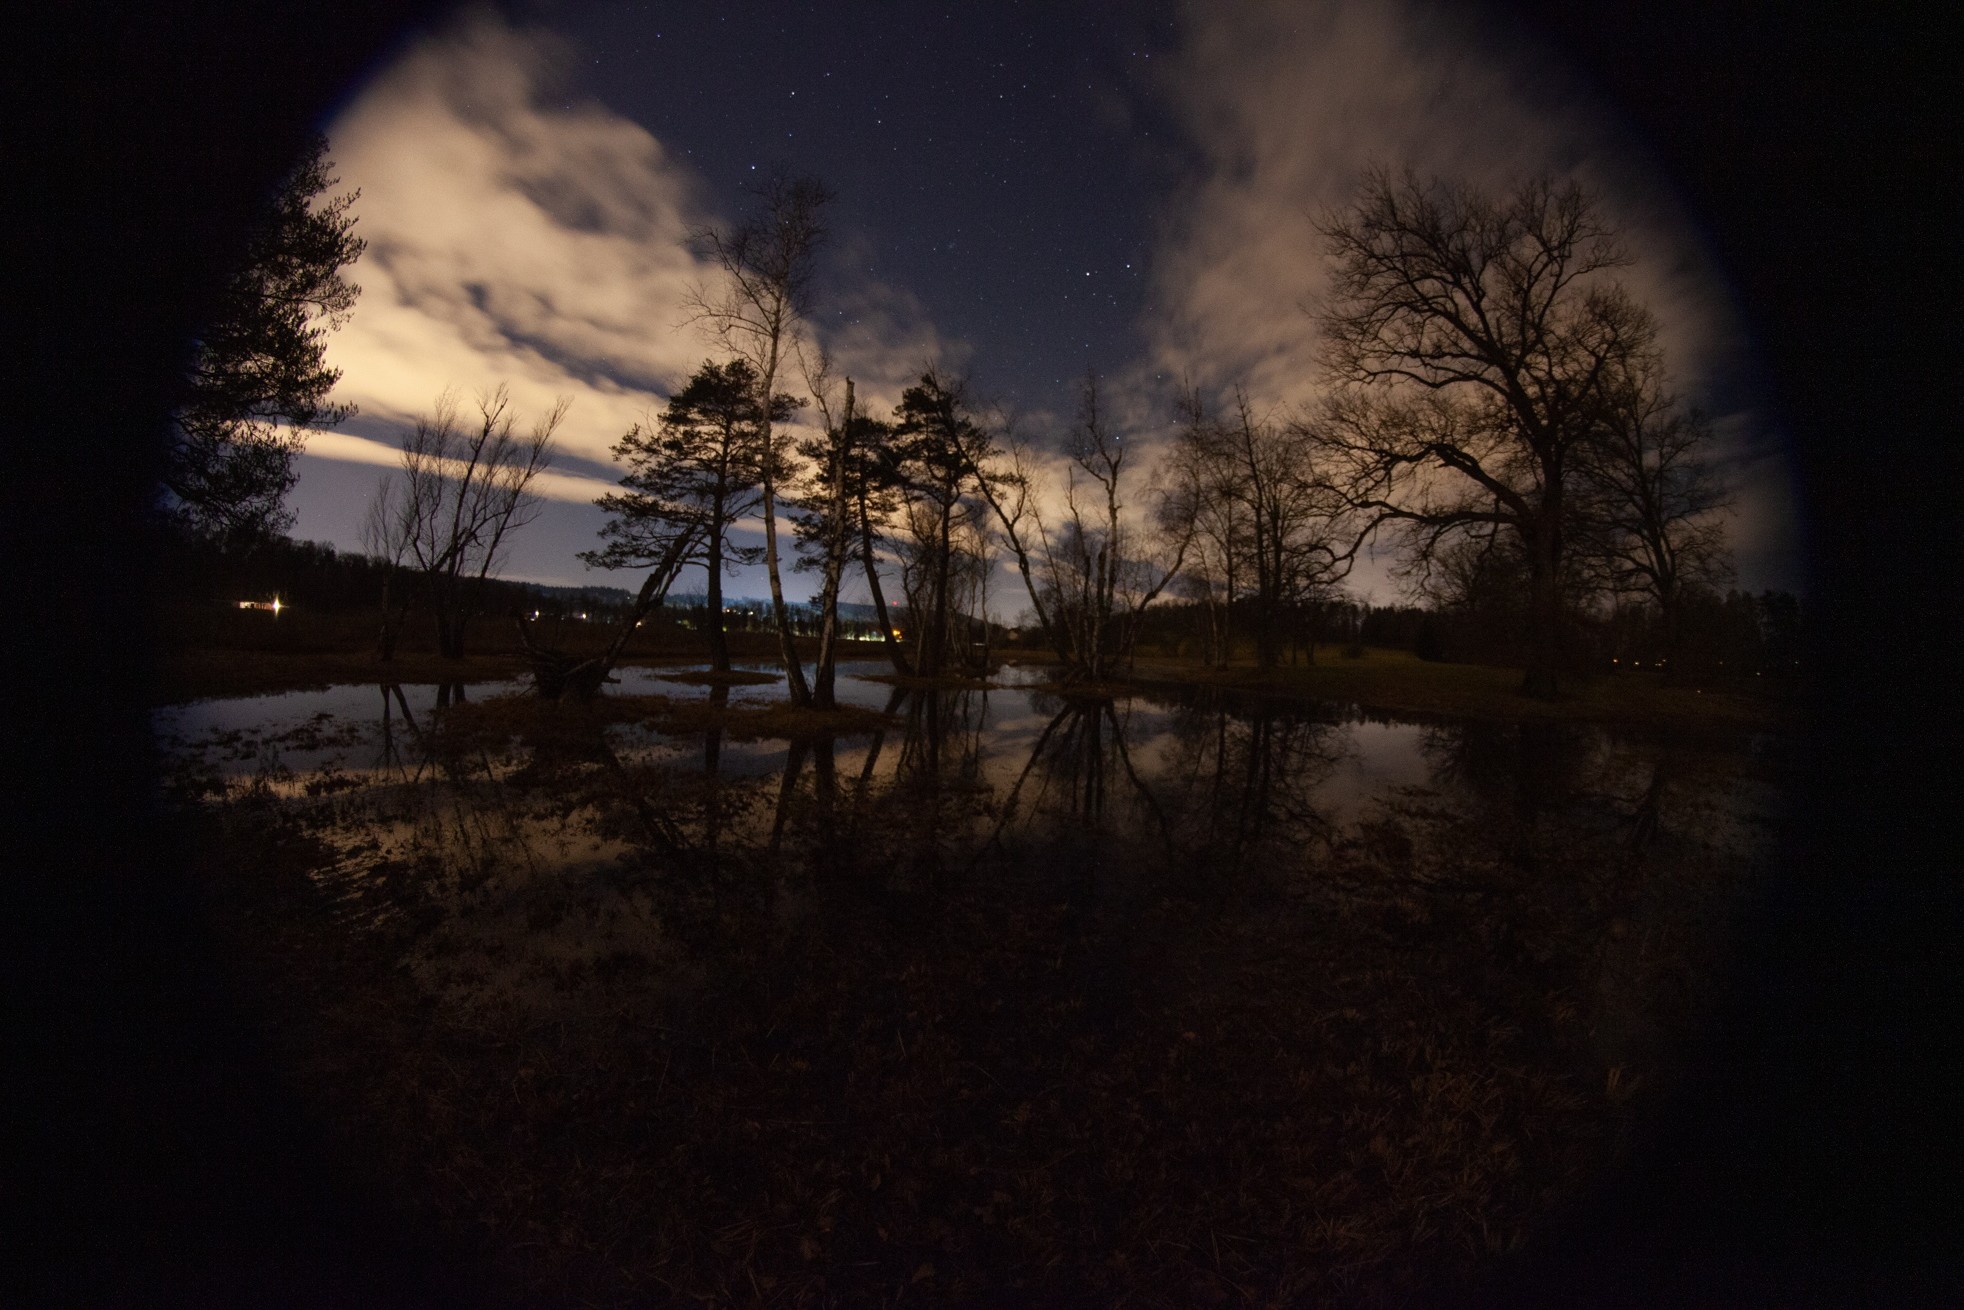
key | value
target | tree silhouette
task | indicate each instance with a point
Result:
(849, 491)
(689, 479)
(1651, 498)
(934, 437)
(1106, 564)
(1261, 514)
(259, 376)
(1476, 340)
(757, 313)
(464, 491)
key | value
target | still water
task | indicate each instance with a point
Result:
(1340, 764)
(1404, 983)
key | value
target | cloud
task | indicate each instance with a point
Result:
(523, 234)
(515, 235)
(1284, 105)
(520, 233)
(883, 338)
(552, 484)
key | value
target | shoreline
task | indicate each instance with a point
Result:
(1383, 680)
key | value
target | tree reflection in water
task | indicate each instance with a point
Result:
(1047, 996)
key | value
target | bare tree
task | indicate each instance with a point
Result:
(874, 490)
(826, 529)
(1295, 545)
(756, 313)
(464, 492)
(851, 499)
(968, 585)
(1651, 498)
(386, 534)
(1202, 465)
(916, 539)
(1267, 525)
(1105, 567)
(1475, 339)
(1006, 478)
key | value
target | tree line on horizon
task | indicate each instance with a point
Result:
(1499, 411)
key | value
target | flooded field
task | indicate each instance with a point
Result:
(1005, 997)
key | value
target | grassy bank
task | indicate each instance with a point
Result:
(201, 654)
(1399, 682)
(249, 654)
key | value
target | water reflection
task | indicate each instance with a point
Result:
(1008, 953)
(1200, 787)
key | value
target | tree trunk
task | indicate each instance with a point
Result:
(894, 650)
(452, 605)
(1227, 606)
(1670, 611)
(1100, 616)
(1051, 631)
(719, 641)
(934, 638)
(654, 589)
(1266, 654)
(794, 672)
(1544, 618)
(450, 636)
(825, 674)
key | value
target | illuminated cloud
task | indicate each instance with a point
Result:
(883, 338)
(552, 484)
(1285, 105)
(515, 236)
(520, 234)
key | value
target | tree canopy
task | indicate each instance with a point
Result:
(1479, 340)
(689, 478)
(259, 377)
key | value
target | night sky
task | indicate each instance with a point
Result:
(1001, 161)
(1024, 192)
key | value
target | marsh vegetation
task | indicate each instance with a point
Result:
(984, 994)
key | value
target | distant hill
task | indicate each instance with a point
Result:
(757, 605)
(588, 595)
